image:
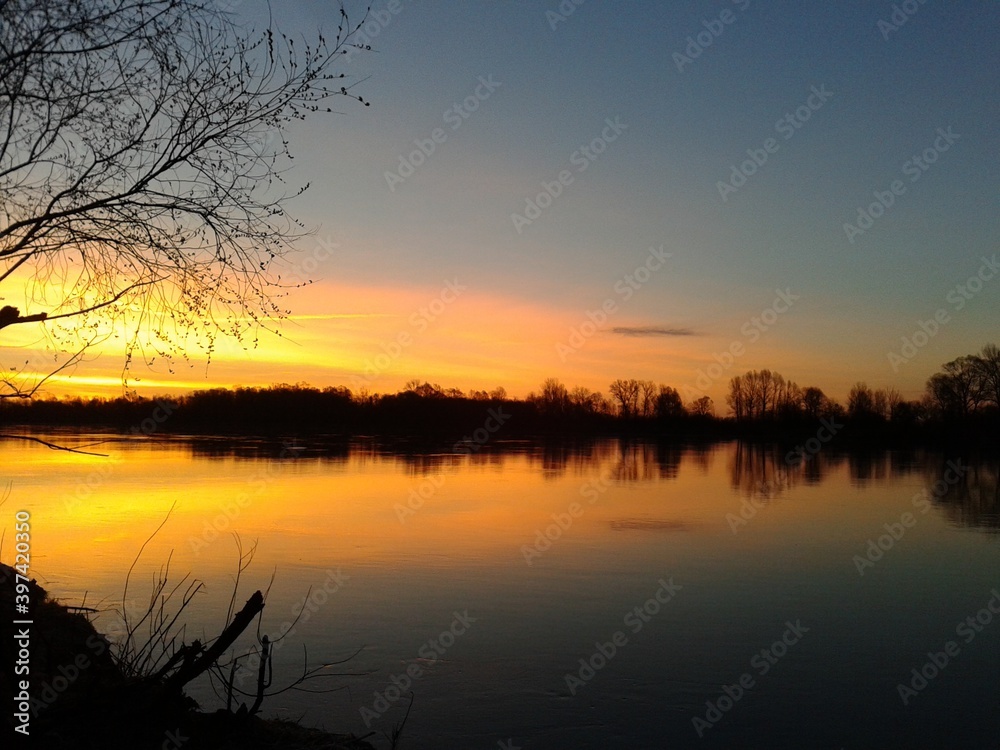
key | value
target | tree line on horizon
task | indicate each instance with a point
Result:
(964, 389)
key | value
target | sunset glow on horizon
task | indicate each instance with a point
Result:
(377, 339)
(496, 218)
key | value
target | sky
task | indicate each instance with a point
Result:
(669, 191)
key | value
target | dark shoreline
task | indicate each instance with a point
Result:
(849, 435)
(79, 700)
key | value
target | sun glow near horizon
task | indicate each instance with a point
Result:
(377, 338)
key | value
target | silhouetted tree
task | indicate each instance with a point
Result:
(424, 390)
(909, 413)
(586, 401)
(814, 402)
(140, 145)
(958, 391)
(702, 407)
(554, 398)
(602, 405)
(649, 398)
(861, 401)
(626, 394)
(738, 398)
(788, 398)
(669, 404)
(988, 366)
(339, 391)
(758, 394)
(888, 401)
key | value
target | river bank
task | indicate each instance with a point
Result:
(64, 680)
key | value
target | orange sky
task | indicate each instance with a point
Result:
(379, 337)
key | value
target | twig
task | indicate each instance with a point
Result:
(262, 682)
(398, 729)
(128, 576)
(243, 618)
(53, 446)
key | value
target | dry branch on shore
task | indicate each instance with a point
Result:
(82, 700)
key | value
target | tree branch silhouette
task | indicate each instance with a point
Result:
(143, 152)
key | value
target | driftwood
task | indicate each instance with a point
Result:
(196, 660)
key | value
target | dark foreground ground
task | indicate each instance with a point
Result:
(79, 699)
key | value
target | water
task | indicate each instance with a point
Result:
(717, 596)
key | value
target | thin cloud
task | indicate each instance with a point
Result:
(649, 524)
(340, 316)
(651, 331)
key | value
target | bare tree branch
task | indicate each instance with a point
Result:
(143, 152)
(53, 446)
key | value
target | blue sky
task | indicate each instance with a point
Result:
(656, 184)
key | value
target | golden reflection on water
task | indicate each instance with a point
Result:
(547, 546)
(362, 506)
(91, 514)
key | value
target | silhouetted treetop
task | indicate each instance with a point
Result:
(142, 145)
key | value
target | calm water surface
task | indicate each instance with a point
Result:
(614, 595)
